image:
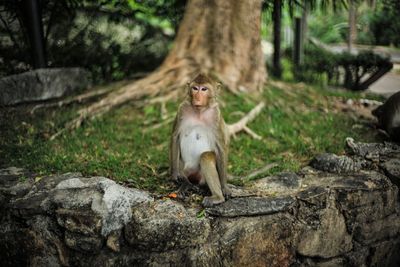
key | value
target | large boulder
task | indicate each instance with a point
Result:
(348, 215)
(42, 84)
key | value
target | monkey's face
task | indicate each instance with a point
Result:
(200, 95)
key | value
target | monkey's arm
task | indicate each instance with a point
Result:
(222, 154)
(174, 153)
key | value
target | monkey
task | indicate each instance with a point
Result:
(199, 141)
(388, 116)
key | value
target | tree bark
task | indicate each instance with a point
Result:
(352, 25)
(218, 37)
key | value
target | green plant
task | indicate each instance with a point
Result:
(322, 66)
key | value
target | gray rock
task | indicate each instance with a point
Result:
(378, 230)
(330, 238)
(282, 184)
(84, 243)
(165, 225)
(372, 150)
(42, 84)
(112, 202)
(336, 164)
(251, 206)
(392, 169)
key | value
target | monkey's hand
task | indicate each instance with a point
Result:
(178, 178)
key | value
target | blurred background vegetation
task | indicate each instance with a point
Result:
(116, 39)
(112, 39)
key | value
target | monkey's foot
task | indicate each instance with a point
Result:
(227, 192)
(211, 201)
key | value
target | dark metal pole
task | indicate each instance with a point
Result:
(277, 17)
(297, 56)
(35, 31)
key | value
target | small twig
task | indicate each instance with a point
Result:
(260, 171)
(241, 125)
(164, 111)
(257, 172)
(54, 136)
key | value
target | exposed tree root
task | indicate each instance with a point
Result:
(158, 125)
(80, 98)
(241, 125)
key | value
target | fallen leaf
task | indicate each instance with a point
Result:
(172, 195)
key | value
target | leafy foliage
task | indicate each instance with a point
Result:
(319, 64)
(385, 23)
(110, 38)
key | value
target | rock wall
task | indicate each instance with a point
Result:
(347, 217)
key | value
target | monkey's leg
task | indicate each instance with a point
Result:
(208, 170)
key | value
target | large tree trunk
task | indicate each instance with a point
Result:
(352, 25)
(218, 37)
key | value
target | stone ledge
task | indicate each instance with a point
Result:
(346, 217)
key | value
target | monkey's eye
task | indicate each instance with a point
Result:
(195, 88)
(204, 88)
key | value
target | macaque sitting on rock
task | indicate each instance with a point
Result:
(199, 142)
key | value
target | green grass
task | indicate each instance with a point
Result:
(297, 123)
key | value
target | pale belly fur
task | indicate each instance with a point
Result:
(194, 141)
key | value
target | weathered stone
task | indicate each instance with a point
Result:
(247, 241)
(335, 164)
(362, 180)
(282, 184)
(106, 198)
(372, 150)
(84, 222)
(165, 225)
(34, 243)
(336, 262)
(392, 170)
(385, 254)
(330, 238)
(42, 84)
(83, 243)
(113, 242)
(379, 230)
(28, 206)
(251, 206)
(362, 206)
(50, 182)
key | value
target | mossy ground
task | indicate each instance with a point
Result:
(298, 122)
